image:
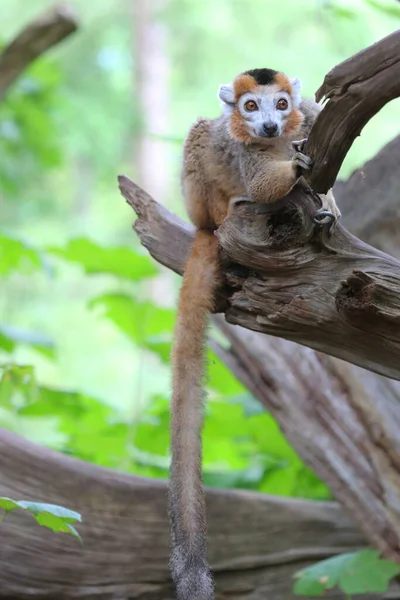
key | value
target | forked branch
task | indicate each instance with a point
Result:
(286, 277)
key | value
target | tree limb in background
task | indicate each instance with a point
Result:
(370, 200)
(356, 90)
(256, 542)
(36, 38)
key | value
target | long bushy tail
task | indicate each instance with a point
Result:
(190, 571)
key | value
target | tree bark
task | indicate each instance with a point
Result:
(256, 542)
(334, 294)
(356, 90)
(36, 38)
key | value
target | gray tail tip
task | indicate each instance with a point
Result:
(194, 583)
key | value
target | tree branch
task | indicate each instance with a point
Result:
(356, 90)
(256, 542)
(35, 39)
(286, 278)
(369, 199)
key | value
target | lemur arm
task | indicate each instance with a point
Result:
(268, 178)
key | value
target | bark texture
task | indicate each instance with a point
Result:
(256, 542)
(36, 38)
(356, 90)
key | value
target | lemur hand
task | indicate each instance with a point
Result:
(299, 158)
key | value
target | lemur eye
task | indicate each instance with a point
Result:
(282, 104)
(250, 105)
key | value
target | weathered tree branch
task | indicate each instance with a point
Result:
(335, 294)
(35, 39)
(256, 542)
(357, 89)
(369, 200)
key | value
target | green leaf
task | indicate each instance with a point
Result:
(17, 385)
(140, 321)
(6, 343)
(354, 573)
(390, 7)
(54, 517)
(7, 504)
(118, 261)
(16, 255)
(366, 573)
(10, 336)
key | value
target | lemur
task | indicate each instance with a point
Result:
(248, 151)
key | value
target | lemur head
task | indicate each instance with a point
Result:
(262, 104)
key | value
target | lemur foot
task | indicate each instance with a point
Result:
(329, 213)
(299, 158)
(236, 200)
(329, 204)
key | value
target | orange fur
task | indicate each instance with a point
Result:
(242, 84)
(293, 121)
(238, 128)
(284, 83)
(188, 371)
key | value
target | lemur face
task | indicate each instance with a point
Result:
(262, 104)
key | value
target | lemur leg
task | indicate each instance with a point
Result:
(329, 204)
(329, 213)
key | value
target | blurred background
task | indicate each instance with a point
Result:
(86, 316)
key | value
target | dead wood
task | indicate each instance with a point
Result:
(370, 200)
(356, 90)
(286, 277)
(36, 38)
(256, 542)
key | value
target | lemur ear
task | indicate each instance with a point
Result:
(226, 95)
(296, 91)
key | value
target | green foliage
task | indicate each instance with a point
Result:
(10, 337)
(354, 573)
(392, 9)
(121, 262)
(56, 518)
(143, 322)
(27, 119)
(67, 127)
(16, 255)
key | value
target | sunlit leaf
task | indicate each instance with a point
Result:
(13, 335)
(56, 518)
(389, 7)
(354, 573)
(16, 255)
(122, 261)
(140, 321)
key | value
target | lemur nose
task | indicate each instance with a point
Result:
(270, 128)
